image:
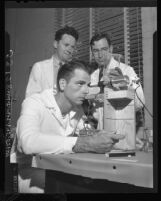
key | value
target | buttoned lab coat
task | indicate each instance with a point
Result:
(42, 76)
(126, 70)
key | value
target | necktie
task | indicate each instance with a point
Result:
(100, 83)
(100, 73)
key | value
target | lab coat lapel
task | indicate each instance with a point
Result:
(113, 63)
(94, 77)
(50, 103)
(57, 113)
(48, 72)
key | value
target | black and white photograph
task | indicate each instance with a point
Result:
(79, 99)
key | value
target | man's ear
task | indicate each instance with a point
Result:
(111, 49)
(62, 84)
(55, 44)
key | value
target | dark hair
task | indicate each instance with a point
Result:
(66, 71)
(66, 30)
(98, 37)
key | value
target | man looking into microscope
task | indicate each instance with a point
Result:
(51, 122)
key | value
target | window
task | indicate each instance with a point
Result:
(79, 19)
(135, 40)
(122, 24)
(111, 21)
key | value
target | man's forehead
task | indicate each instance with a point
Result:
(67, 37)
(79, 71)
(79, 74)
(101, 43)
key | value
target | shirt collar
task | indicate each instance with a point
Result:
(56, 60)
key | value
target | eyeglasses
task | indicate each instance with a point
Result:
(104, 49)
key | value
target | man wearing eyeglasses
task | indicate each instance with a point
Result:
(109, 68)
(43, 74)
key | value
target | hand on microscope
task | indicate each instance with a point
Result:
(100, 98)
(113, 74)
(117, 79)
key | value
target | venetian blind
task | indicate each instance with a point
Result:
(135, 40)
(111, 21)
(134, 28)
(79, 19)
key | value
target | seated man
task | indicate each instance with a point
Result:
(52, 124)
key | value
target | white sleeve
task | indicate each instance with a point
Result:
(31, 140)
(34, 82)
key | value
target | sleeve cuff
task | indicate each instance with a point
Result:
(69, 143)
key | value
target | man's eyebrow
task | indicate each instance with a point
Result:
(99, 48)
(80, 81)
(83, 82)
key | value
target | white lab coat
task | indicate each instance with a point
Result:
(42, 76)
(126, 70)
(42, 129)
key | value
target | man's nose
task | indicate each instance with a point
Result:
(70, 50)
(86, 89)
(100, 54)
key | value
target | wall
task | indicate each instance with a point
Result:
(31, 34)
(149, 26)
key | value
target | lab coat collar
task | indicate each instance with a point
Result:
(49, 101)
(49, 69)
(113, 63)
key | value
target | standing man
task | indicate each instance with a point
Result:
(102, 48)
(43, 74)
(52, 123)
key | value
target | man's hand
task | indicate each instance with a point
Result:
(119, 81)
(115, 73)
(100, 142)
(100, 98)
